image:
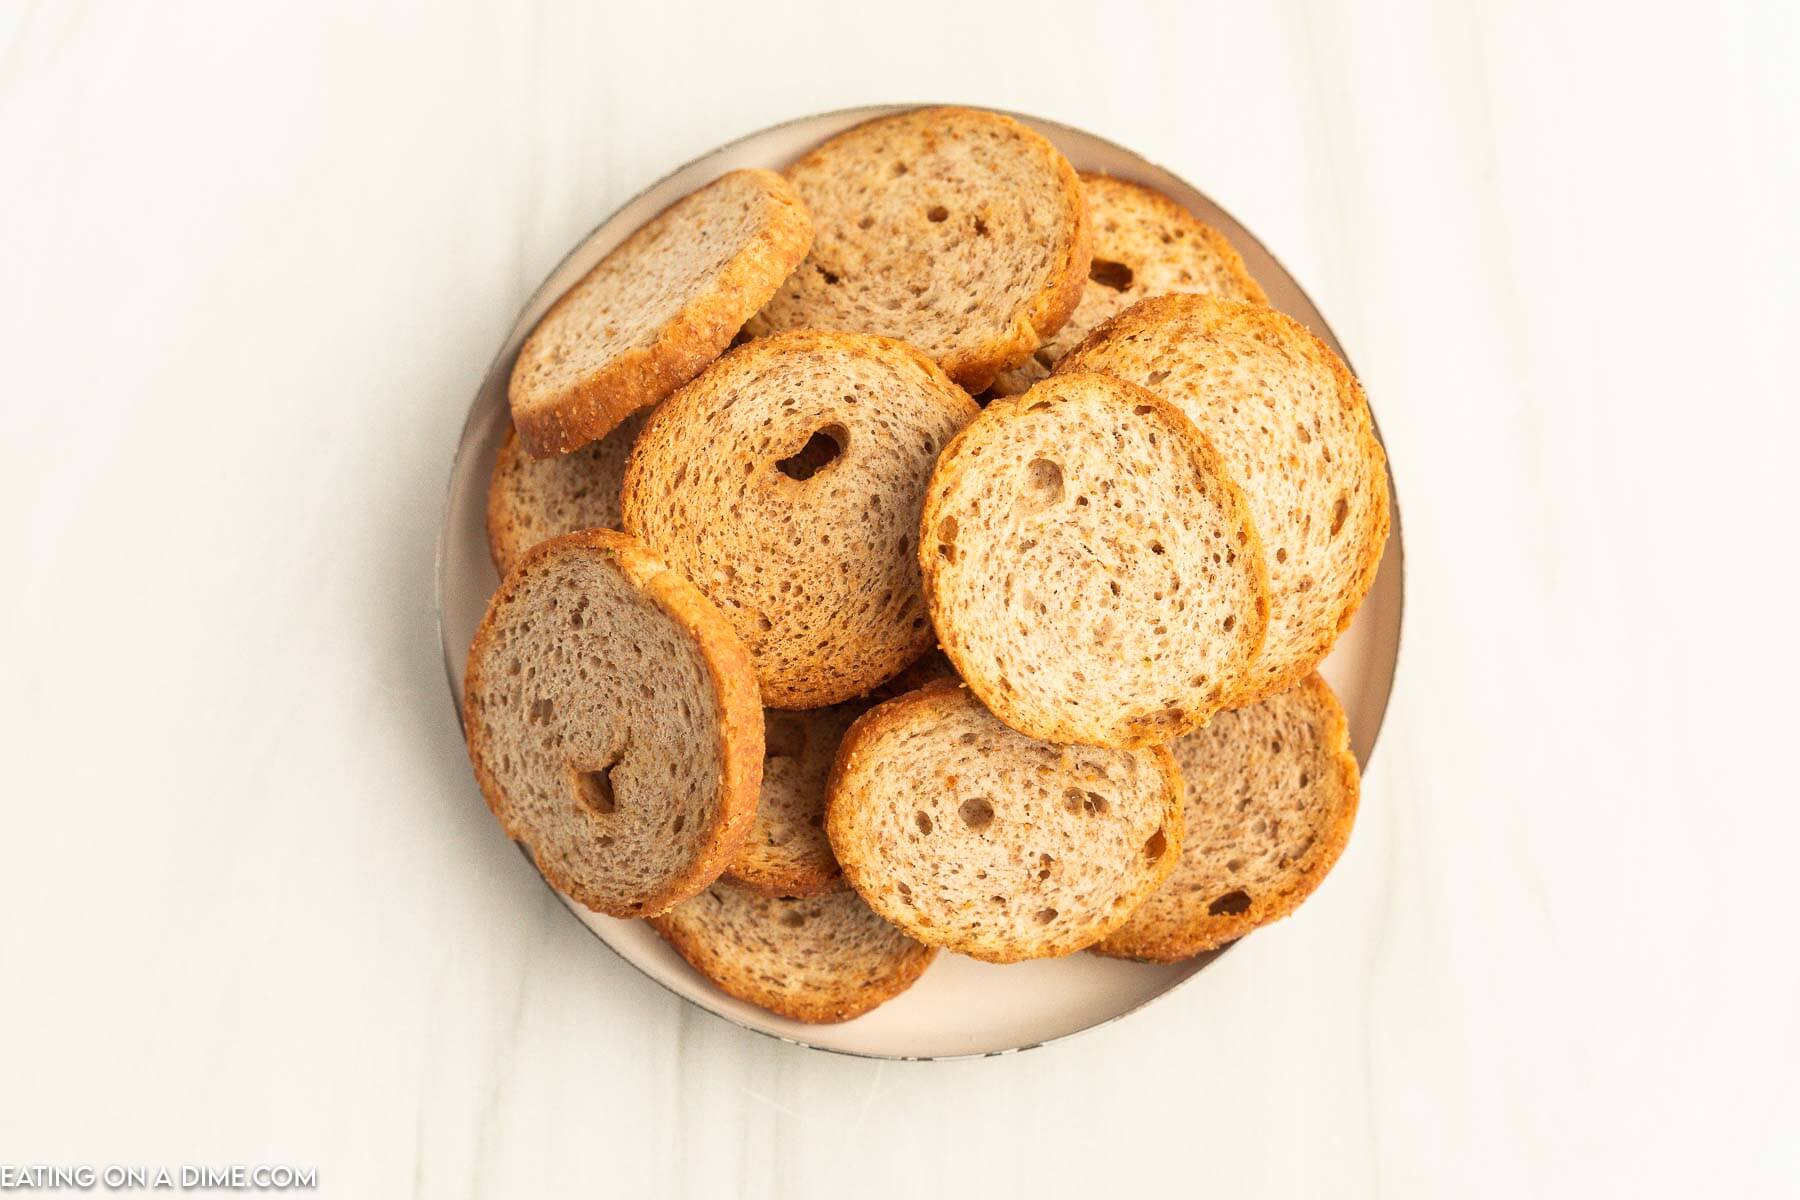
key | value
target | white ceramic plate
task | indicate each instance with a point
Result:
(960, 1007)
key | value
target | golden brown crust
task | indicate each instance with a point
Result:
(860, 867)
(733, 680)
(1006, 704)
(1166, 945)
(771, 882)
(821, 1007)
(698, 334)
(765, 877)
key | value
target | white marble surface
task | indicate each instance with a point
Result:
(253, 261)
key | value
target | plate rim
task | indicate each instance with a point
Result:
(864, 112)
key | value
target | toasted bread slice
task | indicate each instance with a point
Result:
(613, 723)
(785, 481)
(983, 841)
(1271, 794)
(1091, 569)
(819, 959)
(656, 310)
(962, 232)
(1293, 428)
(787, 853)
(532, 500)
(1145, 245)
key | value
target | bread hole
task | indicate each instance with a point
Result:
(980, 227)
(866, 223)
(1281, 554)
(828, 276)
(1144, 410)
(976, 813)
(1157, 846)
(594, 789)
(1154, 378)
(1230, 623)
(1113, 586)
(946, 532)
(1339, 511)
(936, 213)
(1157, 548)
(821, 450)
(1044, 916)
(784, 736)
(679, 824)
(903, 889)
(1114, 275)
(1043, 482)
(900, 168)
(793, 918)
(1230, 904)
(922, 821)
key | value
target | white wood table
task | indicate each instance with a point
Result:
(253, 262)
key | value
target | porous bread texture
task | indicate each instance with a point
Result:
(1145, 245)
(960, 231)
(1090, 568)
(787, 853)
(976, 838)
(613, 723)
(531, 500)
(656, 309)
(1293, 429)
(785, 482)
(1271, 793)
(818, 959)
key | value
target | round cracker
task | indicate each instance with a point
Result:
(1091, 570)
(613, 724)
(658, 308)
(785, 482)
(818, 959)
(960, 231)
